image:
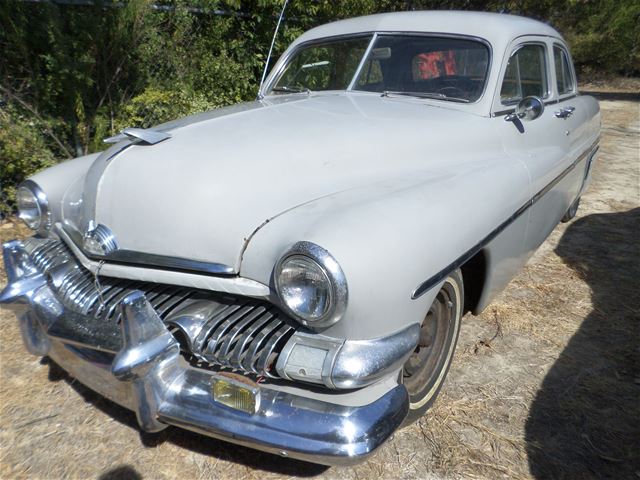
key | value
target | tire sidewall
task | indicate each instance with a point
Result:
(572, 211)
(420, 402)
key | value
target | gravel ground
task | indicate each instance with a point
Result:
(545, 383)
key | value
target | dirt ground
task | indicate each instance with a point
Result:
(545, 383)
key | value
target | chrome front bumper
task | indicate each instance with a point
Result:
(149, 376)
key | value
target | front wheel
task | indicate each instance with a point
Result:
(573, 209)
(424, 372)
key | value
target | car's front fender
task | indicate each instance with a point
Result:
(390, 237)
(56, 180)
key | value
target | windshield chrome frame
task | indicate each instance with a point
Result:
(363, 60)
(374, 37)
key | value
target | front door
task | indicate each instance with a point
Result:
(543, 145)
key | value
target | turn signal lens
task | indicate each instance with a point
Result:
(236, 395)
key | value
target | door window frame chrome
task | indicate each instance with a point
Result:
(574, 80)
(549, 91)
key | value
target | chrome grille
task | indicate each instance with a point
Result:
(238, 333)
(77, 289)
(246, 337)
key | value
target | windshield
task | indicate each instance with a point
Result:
(434, 67)
(327, 65)
(443, 68)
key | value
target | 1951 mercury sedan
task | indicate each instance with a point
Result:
(290, 274)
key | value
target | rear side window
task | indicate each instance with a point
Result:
(526, 75)
(564, 78)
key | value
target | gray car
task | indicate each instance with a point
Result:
(290, 274)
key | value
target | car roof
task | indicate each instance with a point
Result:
(497, 28)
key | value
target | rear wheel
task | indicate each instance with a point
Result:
(424, 372)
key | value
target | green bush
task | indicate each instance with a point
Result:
(608, 39)
(222, 80)
(154, 106)
(23, 152)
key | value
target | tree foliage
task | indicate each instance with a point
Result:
(24, 151)
(72, 74)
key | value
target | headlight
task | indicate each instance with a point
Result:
(33, 207)
(305, 288)
(311, 285)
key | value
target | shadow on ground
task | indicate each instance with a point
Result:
(624, 96)
(123, 472)
(185, 439)
(585, 420)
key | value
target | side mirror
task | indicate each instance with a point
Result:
(529, 108)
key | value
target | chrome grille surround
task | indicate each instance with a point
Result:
(215, 330)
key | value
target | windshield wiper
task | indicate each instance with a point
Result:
(436, 95)
(290, 89)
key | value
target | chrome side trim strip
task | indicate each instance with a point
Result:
(442, 274)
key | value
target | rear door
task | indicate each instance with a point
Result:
(570, 110)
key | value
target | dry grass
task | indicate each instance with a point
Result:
(544, 383)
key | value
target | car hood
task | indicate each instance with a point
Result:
(202, 193)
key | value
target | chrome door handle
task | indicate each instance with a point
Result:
(565, 112)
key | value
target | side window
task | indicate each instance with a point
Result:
(564, 78)
(526, 75)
